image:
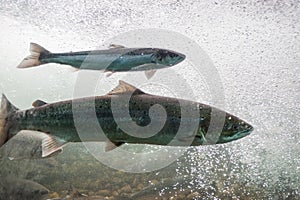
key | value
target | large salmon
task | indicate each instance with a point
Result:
(57, 120)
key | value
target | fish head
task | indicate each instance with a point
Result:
(234, 129)
(167, 57)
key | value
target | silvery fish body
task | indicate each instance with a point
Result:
(116, 59)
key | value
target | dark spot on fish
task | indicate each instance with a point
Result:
(235, 126)
(159, 57)
(143, 121)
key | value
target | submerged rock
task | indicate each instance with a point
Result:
(12, 188)
(25, 145)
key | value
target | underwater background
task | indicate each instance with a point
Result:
(254, 46)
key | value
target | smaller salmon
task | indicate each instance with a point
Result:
(115, 59)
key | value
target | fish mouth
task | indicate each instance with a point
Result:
(178, 59)
(235, 136)
(181, 57)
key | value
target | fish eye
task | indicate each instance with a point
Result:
(232, 126)
(172, 55)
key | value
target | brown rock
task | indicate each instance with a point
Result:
(115, 193)
(193, 195)
(181, 196)
(90, 193)
(53, 195)
(126, 189)
(140, 186)
(117, 180)
(104, 192)
(134, 183)
(154, 182)
(110, 198)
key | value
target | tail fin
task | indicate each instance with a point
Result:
(5, 110)
(33, 59)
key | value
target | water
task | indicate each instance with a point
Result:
(254, 47)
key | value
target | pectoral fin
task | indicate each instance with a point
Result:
(125, 88)
(51, 145)
(112, 145)
(150, 73)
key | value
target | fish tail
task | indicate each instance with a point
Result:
(6, 109)
(34, 58)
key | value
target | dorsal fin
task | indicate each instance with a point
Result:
(38, 103)
(125, 88)
(116, 46)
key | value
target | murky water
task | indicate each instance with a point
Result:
(255, 50)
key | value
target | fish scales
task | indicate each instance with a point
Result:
(179, 116)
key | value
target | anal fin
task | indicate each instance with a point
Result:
(112, 145)
(109, 73)
(52, 145)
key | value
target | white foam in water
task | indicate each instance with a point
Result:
(254, 46)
